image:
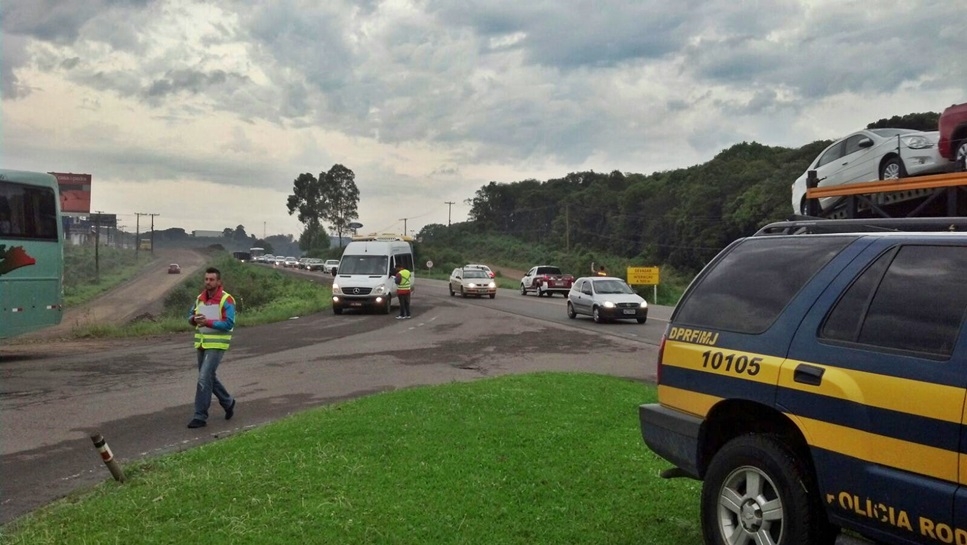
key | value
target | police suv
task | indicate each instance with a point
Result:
(814, 377)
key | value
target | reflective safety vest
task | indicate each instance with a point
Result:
(209, 337)
(406, 281)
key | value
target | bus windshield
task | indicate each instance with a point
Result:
(364, 264)
(31, 252)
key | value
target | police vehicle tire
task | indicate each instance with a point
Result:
(785, 484)
(570, 311)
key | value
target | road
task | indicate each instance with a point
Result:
(138, 393)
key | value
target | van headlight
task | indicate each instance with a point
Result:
(335, 289)
(379, 290)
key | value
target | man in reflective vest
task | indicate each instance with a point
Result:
(404, 284)
(213, 316)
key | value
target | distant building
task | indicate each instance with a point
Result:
(207, 234)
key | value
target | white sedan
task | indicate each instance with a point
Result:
(871, 155)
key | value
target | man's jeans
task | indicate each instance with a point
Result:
(209, 384)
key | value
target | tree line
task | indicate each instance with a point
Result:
(679, 218)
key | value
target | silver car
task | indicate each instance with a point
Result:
(871, 155)
(472, 281)
(605, 298)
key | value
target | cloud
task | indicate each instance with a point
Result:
(427, 100)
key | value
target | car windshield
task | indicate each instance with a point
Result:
(611, 286)
(363, 264)
(474, 273)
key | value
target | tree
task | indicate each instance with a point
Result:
(240, 233)
(341, 197)
(314, 237)
(333, 197)
(227, 232)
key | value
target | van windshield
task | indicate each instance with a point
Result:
(363, 264)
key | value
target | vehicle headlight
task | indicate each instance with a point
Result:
(644, 304)
(491, 285)
(916, 142)
(471, 285)
(379, 290)
(335, 289)
(608, 304)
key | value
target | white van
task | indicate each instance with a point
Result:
(364, 277)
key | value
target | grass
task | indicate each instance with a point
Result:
(262, 295)
(546, 458)
(84, 279)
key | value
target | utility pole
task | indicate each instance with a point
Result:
(152, 232)
(404, 225)
(567, 229)
(137, 234)
(97, 244)
(263, 230)
(449, 208)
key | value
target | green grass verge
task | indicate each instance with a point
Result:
(545, 458)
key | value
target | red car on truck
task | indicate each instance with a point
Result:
(953, 134)
(546, 280)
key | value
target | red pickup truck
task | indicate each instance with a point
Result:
(953, 134)
(546, 280)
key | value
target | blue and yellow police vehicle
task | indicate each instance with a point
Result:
(813, 376)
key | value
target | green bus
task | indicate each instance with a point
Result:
(31, 252)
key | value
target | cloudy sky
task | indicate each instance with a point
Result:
(205, 112)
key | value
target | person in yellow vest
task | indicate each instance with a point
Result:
(404, 285)
(213, 317)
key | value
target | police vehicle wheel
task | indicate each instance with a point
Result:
(757, 490)
(570, 311)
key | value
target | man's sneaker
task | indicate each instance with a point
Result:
(230, 411)
(400, 317)
(407, 317)
(195, 423)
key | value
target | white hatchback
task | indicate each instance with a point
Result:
(870, 155)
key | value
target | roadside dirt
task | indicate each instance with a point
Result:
(139, 296)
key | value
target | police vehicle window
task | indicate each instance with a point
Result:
(746, 290)
(919, 306)
(844, 321)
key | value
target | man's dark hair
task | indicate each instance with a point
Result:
(216, 272)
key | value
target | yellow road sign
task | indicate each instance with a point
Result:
(643, 276)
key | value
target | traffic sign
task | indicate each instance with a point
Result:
(643, 276)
